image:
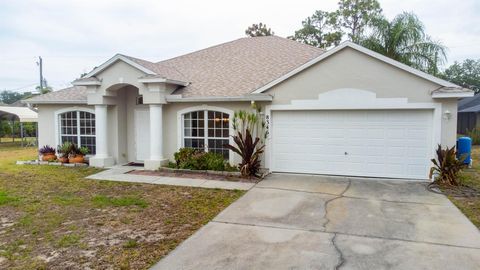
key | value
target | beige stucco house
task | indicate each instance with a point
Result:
(345, 111)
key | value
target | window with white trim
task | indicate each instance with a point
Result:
(78, 127)
(207, 130)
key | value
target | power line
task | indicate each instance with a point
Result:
(18, 88)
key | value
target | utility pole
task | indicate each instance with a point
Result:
(40, 64)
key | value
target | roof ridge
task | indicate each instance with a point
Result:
(231, 41)
(298, 42)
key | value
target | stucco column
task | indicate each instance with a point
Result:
(156, 137)
(101, 131)
(101, 158)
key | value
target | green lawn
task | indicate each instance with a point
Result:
(51, 217)
(470, 206)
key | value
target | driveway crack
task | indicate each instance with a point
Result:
(341, 259)
(327, 219)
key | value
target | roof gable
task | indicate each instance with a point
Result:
(361, 49)
(126, 59)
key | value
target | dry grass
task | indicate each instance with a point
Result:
(470, 206)
(53, 218)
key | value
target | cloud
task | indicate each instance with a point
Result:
(75, 36)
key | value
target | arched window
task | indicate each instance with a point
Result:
(207, 130)
(78, 127)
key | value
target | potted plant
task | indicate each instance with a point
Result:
(64, 150)
(78, 154)
(48, 153)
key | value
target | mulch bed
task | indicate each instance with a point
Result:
(196, 175)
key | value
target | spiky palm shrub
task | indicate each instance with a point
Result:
(447, 166)
(249, 138)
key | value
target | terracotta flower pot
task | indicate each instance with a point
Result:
(77, 159)
(49, 157)
(63, 159)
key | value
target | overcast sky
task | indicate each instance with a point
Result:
(75, 36)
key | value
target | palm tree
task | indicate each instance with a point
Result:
(404, 39)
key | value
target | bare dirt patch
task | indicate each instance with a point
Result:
(53, 218)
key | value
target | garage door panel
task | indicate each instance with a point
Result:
(417, 152)
(415, 169)
(396, 151)
(356, 133)
(378, 143)
(376, 133)
(396, 133)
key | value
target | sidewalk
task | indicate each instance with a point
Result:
(119, 173)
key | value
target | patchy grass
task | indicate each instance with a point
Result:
(68, 240)
(470, 206)
(104, 201)
(53, 218)
(131, 244)
(5, 198)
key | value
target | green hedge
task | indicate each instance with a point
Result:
(193, 159)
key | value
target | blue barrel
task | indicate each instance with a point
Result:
(464, 146)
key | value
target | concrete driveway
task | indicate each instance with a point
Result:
(319, 222)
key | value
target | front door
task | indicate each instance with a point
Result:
(142, 134)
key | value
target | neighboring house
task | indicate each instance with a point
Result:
(346, 111)
(468, 114)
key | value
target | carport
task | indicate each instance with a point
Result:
(22, 115)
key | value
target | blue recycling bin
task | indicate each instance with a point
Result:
(464, 146)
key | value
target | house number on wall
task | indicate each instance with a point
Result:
(267, 124)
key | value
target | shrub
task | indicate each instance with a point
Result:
(447, 166)
(251, 132)
(250, 150)
(214, 161)
(46, 149)
(184, 157)
(83, 150)
(193, 159)
(66, 149)
(69, 149)
(474, 134)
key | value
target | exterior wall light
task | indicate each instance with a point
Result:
(447, 115)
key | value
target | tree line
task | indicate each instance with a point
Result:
(402, 38)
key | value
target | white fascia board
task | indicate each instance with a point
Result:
(113, 60)
(360, 49)
(162, 80)
(453, 94)
(179, 98)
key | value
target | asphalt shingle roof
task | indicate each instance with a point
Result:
(241, 66)
(469, 102)
(233, 68)
(71, 95)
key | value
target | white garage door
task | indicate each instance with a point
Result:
(378, 143)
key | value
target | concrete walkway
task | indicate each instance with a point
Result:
(119, 173)
(316, 222)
